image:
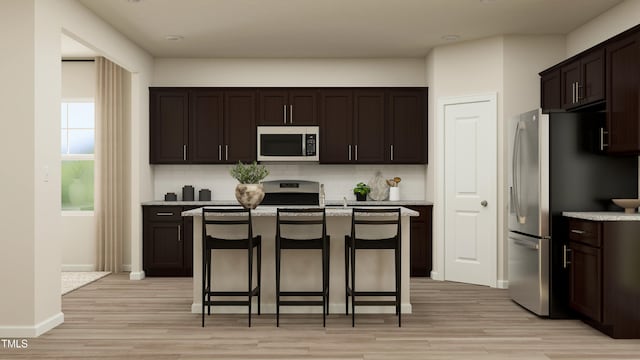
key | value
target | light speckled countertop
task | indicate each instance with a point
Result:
(603, 216)
(328, 203)
(331, 211)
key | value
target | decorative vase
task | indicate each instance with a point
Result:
(361, 197)
(394, 193)
(249, 195)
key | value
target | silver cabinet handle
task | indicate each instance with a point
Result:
(565, 257)
(164, 214)
(579, 232)
(484, 203)
(290, 114)
(391, 152)
(179, 233)
(226, 152)
(184, 152)
(356, 152)
(284, 113)
(578, 87)
(219, 152)
(349, 152)
(602, 143)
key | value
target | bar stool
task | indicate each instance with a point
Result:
(372, 220)
(300, 222)
(217, 221)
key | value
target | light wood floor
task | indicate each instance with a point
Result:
(114, 318)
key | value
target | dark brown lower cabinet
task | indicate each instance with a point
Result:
(421, 241)
(167, 241)
(605, 275)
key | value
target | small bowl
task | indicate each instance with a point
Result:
(630, 205)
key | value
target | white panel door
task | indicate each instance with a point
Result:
(470, 192)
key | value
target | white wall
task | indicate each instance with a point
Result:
(17, 259)
(78, 229)
(31, 259)
(289, 72)
(606, 25)
(339, 180)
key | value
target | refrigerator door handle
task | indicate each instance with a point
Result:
(515, 172)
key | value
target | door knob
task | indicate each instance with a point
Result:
(484, 203)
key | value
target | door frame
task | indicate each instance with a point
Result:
(440, 181)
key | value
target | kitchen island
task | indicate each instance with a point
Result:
(302, 269)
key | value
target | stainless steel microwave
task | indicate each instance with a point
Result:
(288, 143)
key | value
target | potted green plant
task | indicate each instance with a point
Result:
(249, 191)
(361, 190)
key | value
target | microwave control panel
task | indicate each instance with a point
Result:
(310, 145)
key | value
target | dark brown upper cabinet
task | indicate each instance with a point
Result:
(369, 127)
(202, 126)
(582, 80)
(287, 107)
(239, 142)
(550, 93)
(622, 133)
(373, 126)
(407, 126)
(169, 126)
(205, 126)
(336, 126)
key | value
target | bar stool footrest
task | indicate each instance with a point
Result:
(375, 303)
(301, 303)
(302, 293)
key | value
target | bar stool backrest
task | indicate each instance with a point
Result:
(226, 223)
(375, 224)
(300, 224)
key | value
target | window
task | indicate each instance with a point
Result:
(78, 140)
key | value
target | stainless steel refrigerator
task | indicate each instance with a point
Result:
(555, 165)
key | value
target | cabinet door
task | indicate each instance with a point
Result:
(274, 107)
(369, 127)
(421, 242)
(336, 122)
(205, 127)
(163, 249)
(569, 78)
(550, 87)
(168, 125)
(302, 107)
(239, 126)
(407, 127)
(585, 291)
(623, 95)
(591, 88)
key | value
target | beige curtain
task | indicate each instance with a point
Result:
(112, 164)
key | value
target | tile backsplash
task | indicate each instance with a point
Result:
(338, 180)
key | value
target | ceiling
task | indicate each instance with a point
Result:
(331, 28)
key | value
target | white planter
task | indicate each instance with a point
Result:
(394, 193)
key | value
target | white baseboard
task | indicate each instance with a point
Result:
(78, 267)
(32, 331)
(126, 267)
(196, 308)
(436, 276)
(502, 284)
(136, 275)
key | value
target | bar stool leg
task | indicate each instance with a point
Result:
(328, 270)
(204, 275)
(398, 283)
(250, 278)
(324, 282)
(346, 276)
(259, 274)
(277, 282)
(353, 282)
(209, 266)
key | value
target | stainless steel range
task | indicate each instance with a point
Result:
(291, 192)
